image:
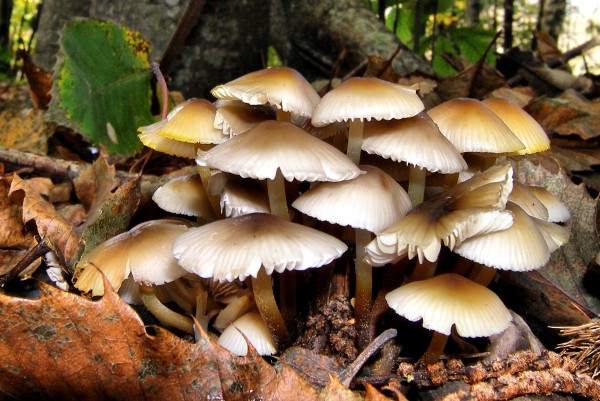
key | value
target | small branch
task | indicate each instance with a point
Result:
(36, 252)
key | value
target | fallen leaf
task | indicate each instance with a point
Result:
(59, 233)
(40, 81)
(12, 230)
(115, 358)
(586, 127)
(25, 129)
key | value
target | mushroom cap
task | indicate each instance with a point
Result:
(149, 137)
(371, 201)
(524, 126)
(557, 211)
(473, 127)
(369, 98)
(255, 331)
(282, 87)
(451, 300)
(235, 117)
(522, 196)
(470, 208)
(144, 251)
(414, 140)
(238, 247)
(184, 195)
(521, 247)
(239, 196)
(272, 145)
(193, 122)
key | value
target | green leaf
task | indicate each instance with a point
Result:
(101, 86)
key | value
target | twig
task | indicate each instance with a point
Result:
(37, 251)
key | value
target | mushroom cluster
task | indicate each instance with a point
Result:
(281, 188)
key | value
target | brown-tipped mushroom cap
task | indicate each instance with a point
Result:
(521, 124)
(522, 196)
(470, 208)
(371, 201)
(472, 127)
(149, 137)
(235, 117)
(193, 122)
(366, 99)
(144, 251)
(415, 140)
(451, 300)
(184, 195)
(521, 247)
(272, 145)
(237, 247)
(282, 87)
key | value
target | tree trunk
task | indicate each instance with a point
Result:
(508, 21)
(472, 12)
(319, 31)
(5, 13)
(551, 17)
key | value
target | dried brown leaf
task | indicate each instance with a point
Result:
(63, 346)
(12, 229)
(58, 232)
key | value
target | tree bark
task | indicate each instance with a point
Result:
(508, 20)
(319, 31)
(472, 12)
(551, 17)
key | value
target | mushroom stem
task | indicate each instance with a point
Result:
(284, 116)
(355, 136)
(205, 175)
(364, 289)
(416, 184)
(181, 295)
(164, 314)
(277, 198)
(422, 271)
(435, 349)
(201, 307)
(265, 302)
(482, 274)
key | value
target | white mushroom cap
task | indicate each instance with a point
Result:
(470, 208)
(282, 87)
(367, 98)
(451, 300)
(236, 117)
(149, 137)
(521, 124)
(238, 247)
(415, 140)
(521, 247)
(239, 196)
(557, 211)
(522, 196)
(144, 251)
(272, 145)
(193, 122)
(472, 127)
(184, 195)
(256, 332)
(371, 201)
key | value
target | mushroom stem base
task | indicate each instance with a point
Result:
(164, 314)
(436, 348)
(265, 302)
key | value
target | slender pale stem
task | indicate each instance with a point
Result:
(204, 173)
(416, 184)
(164, 314)
(265, 302)
(435, 349)
(355, 136)
(364, 288)
(277, 198)
(423, 271)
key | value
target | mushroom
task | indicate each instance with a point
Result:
(184, 195)
(247, 328)
(473, 207)
(418, 142)
(275, 150)
(149, 137)
(521, 124)
(358, 99)
(557, 211)
(282, 87)
(236, 117)
(239, 196)
(255, 245)
(145, 253)
(368, 203)
(446, 301)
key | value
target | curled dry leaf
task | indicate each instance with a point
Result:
(63, 346)
(58, 232)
